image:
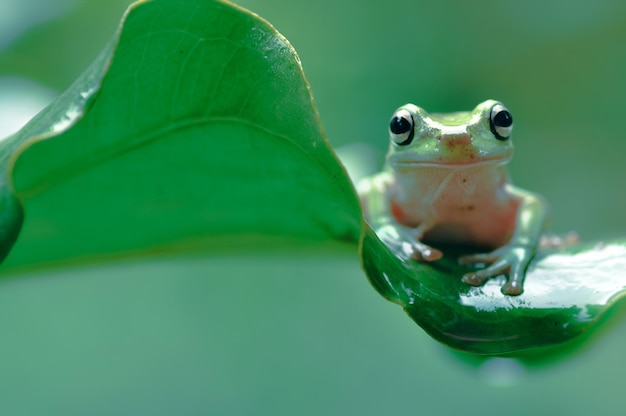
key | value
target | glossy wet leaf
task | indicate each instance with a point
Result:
(196, 122)
(565, 294)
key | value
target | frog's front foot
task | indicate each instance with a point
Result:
(510, 260)
(403, 242)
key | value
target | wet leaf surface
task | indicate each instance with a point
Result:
(566, 292)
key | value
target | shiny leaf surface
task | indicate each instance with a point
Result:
(566, 293)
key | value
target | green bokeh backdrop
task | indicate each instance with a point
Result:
(304, 333)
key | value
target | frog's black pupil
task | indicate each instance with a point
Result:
(503, 119)
(399, 125)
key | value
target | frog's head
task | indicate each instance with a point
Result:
(481, 136)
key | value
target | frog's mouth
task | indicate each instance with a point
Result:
(451, 164)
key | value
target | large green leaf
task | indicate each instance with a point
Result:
(197, 121)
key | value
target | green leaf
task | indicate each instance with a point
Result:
(196, 121)
(565, 294)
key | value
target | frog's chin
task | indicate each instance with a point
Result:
(449, 164)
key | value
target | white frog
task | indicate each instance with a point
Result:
(445, 181)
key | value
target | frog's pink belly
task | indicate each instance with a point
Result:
(488, 225)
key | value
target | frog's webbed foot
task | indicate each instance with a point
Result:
(510, 260)
(404, 243)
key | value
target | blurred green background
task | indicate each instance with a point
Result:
(302, 332)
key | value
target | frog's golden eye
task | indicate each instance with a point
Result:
(401, 127)
(501, 122)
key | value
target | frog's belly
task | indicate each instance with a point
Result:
(470, 234)
(484, 224)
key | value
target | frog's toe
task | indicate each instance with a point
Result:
(515, 285)
(513, 288)
(479, 277)
(426, 253)
(474, 279)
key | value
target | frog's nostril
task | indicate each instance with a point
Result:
(453, 140)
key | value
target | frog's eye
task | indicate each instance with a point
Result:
(401, 127)
(501, 122)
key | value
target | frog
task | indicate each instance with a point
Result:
(445, 182)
